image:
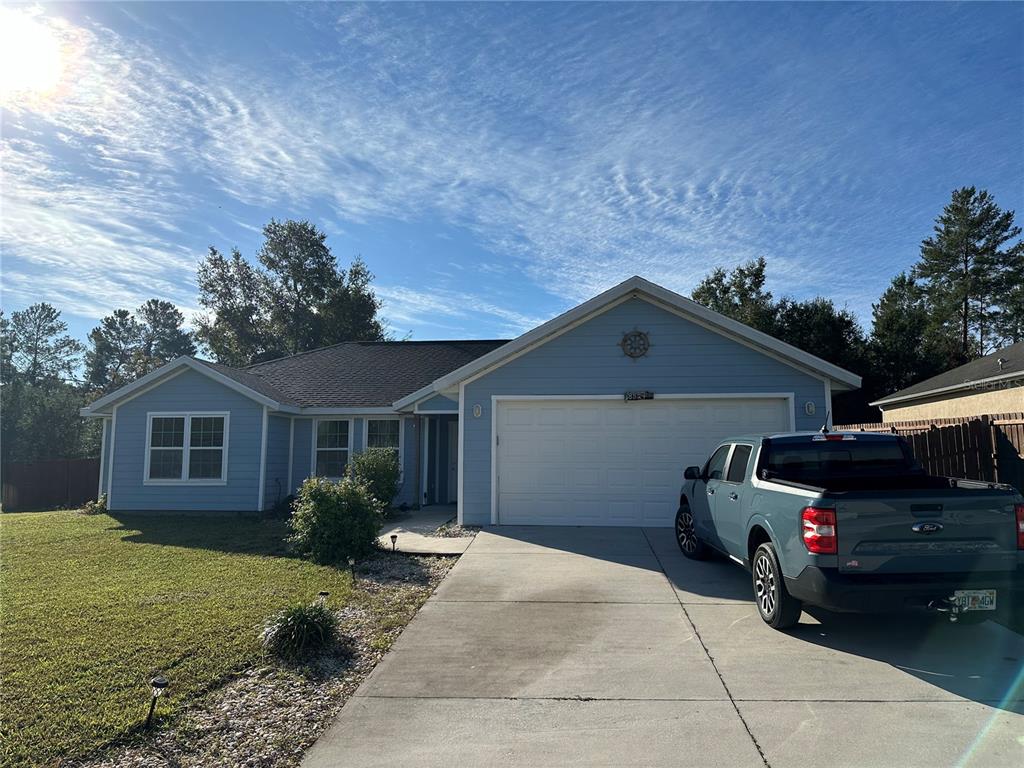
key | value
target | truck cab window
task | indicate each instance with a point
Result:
(716, 465)
(738, 465)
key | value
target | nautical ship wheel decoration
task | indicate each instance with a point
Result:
(635, 344)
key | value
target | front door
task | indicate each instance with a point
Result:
(453, 462)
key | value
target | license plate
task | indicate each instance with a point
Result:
(975, 599)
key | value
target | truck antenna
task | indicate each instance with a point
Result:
(824, 427)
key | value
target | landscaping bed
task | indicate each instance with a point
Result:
(93, 607)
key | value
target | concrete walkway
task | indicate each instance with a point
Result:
(605, 647)
(413, 529)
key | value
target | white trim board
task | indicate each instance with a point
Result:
(263, 461)
(105, 427)
(788, 397)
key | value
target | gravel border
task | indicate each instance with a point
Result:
(270, 714)
(453, 530)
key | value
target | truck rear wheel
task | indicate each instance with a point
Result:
(686, 536)
(778, 608)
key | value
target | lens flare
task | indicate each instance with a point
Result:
(31, 60)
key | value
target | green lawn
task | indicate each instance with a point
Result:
(92, 607)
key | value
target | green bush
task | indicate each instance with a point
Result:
(300, 630)
(333, 521)
(378, 469)
(97, 507)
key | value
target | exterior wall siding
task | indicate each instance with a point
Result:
(187, 392)
(684, 358)
(301, 456)
(438, 403)
(1007, 399)
(275, 481)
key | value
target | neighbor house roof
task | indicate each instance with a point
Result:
(638, 287)
(372, 374)
(981, 371)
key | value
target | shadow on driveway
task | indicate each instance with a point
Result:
(983, 663)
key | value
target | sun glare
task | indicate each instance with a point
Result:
(30, 57)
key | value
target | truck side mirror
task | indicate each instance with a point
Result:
(692, 473)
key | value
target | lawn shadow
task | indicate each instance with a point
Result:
(241, 534)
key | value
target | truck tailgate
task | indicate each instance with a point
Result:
(917, 531)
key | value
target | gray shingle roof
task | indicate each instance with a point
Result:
(253, 382)
(977, 370)
(358, 374)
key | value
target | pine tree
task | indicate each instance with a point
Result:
(965, 269)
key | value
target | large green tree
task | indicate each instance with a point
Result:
(125, 346)
(38, 346)
(740, 294)
(967, 266)
(39, 401)
(814, 325)
(295, 299)
(900, 350)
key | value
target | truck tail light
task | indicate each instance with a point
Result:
(1019, 510)
(819, 529)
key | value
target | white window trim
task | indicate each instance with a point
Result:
(187, 416)
(313, 448)
(401, 436)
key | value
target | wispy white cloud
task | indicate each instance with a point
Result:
(577, 145)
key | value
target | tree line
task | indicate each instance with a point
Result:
(963, 298)
(294, 298)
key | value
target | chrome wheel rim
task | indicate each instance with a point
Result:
(764, 585)
(685, 533)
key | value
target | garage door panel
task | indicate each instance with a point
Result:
(606, 462)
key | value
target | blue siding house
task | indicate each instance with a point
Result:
(588, 419)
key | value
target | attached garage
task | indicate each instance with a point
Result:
(610, 462)
(591, 418)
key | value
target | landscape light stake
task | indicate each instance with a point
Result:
(158, 685)
(352, 569)
(322, 597)
(394, 540)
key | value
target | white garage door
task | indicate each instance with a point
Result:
(609, 462)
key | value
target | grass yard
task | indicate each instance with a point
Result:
(92, 607)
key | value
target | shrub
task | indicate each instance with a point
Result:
(378, 469)
(300, 630)
(95, 507)
(332, 521)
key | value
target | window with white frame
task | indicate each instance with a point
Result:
(332, 446)
(184, 447)
(383, 433)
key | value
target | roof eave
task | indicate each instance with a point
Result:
(898, 398)
(153, 378)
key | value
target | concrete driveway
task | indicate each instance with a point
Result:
(605, 647)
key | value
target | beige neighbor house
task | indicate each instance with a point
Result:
(990, 384)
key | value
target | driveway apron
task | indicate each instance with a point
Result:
(550, 646)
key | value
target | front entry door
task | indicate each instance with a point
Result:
(453, 462)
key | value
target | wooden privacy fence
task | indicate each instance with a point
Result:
(987, 447)
(49, 484)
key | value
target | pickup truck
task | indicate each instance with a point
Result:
(849, 521)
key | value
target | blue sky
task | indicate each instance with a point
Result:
(496, 164)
